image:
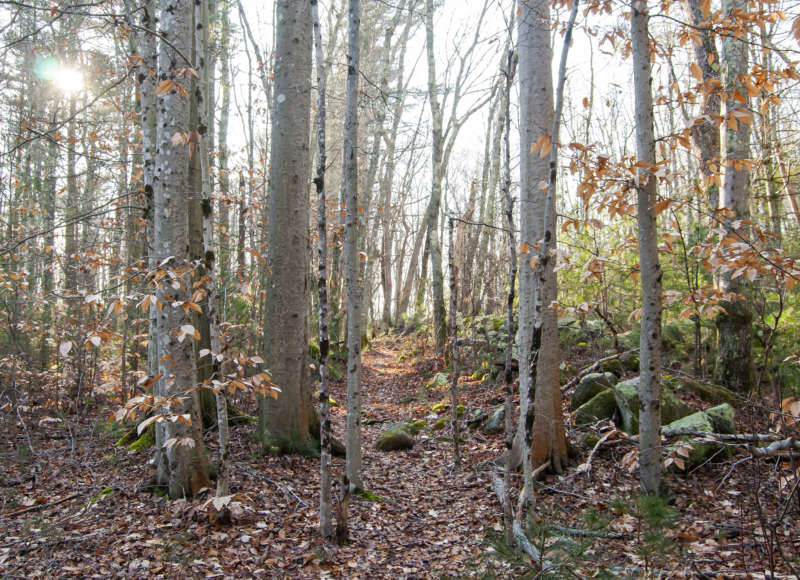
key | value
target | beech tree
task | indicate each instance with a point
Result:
(351, 240)
(285, 421)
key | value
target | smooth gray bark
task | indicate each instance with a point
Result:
(285, 421)
(351, 258)
(734, 366)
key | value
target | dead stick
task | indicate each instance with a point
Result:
(40, 506)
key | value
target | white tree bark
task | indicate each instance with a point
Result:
(184, 469)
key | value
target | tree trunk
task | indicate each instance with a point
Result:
(649, 268)
(325, 520)
(538, 336)
(183, 467)
(434, 205)
(351, 261)
(734, 366)
(285, 421)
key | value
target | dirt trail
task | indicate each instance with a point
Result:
(88, 520)
(435, 516)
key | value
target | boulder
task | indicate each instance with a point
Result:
(672, 408)
(395, 438)
(591, 385)
(723, 418)
(602, 406)
(613, 366)
(708, 392)
(627, 397)
(630, 362)
(478, 417)
(699, 421)
(496, 422)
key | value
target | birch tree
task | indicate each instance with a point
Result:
(182, 465)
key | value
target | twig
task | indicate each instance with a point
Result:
(586, 466)
(524, 544)
(287, 491)
(40, 506)
(34, 543)
(589, 533)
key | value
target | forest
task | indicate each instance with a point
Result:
(399, 289)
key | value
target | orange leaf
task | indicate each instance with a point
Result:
(165, 86)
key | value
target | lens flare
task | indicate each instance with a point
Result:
(66, 79)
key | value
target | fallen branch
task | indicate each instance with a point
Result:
(593, 367)
(588, 533)
(287, 491)
(40, 506)
(587, 465)
(36, 543)
(524, 544)
(534, 477)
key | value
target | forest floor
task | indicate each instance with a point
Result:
(70, 506)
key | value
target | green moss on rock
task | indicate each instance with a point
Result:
(601, 406)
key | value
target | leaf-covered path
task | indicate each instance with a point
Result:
(72, 508)
(71, 504)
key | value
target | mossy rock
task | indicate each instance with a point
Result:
(395, 438)
(413, 426)
(613, 366)
(478, 417)
(438, 380)
(699, 421)
(591, 439)
(602, 406)
(440, 424)
(672, 408)
(630, 362)
(590, 386)
(497, 422)
(460, 410)
(627, 396)
(723, 418)
(708, 392)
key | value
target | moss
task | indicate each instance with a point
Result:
(313, 350)
(369, 496)
(415, 427)
(145, 441)
(440, 424)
